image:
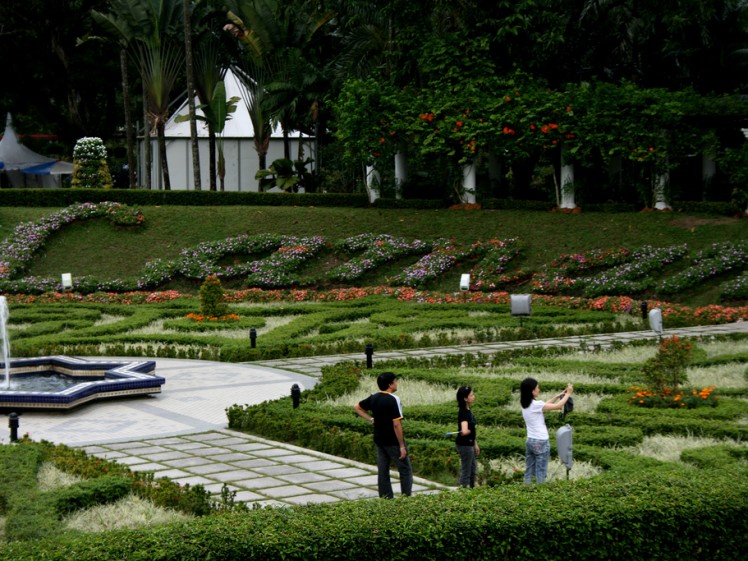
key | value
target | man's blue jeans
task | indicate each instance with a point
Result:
(386, 454)
(536, 464)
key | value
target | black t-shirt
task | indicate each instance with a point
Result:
(385, 408)
(469, 439)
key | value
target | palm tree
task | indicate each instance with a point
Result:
(150, 28)
(279, 42)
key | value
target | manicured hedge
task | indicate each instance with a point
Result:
(66, 197)
(652, 514)
(90, 492)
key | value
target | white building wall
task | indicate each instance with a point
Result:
(241, 158)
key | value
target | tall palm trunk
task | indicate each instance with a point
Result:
(147, 147)
(128, 120)
(212, 158)
(190, 75)
(160, 130)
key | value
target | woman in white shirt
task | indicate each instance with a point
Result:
(538, 445)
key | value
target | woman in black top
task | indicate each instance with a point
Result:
(467, 445)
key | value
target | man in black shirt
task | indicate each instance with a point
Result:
(384, 412)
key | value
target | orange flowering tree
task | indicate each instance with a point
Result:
(665, 373)
(667, 369)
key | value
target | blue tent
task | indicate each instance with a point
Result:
(26, 168)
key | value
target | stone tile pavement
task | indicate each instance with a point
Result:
(261, 472)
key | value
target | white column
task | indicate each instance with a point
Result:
(708, 170)
(373, 183)
(468, 183)
(567, 183)
(661, 181)
(401, 173)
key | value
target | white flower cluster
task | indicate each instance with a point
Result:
(89, 148)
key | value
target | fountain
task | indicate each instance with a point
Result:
(61, 382)
(4, 315)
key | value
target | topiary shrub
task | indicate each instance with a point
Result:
(90, 169)
(212, 298)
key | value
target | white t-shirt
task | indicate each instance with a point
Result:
(535, 420)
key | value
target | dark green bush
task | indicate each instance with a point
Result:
(715, 457)
(90, 492)
(66, 197)
(650, 514)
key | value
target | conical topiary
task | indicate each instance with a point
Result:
(90, 170)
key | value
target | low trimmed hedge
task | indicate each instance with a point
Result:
(66, 197)
(90, 492)
(652, 514)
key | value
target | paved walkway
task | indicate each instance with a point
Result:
(181, 433)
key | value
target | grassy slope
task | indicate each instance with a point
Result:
(97, 248)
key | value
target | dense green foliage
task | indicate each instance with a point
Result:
(652, 513)
(642, 83)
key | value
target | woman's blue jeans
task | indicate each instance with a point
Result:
(536, 463)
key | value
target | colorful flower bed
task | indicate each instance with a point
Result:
(376, 250)
(673, 314)
(631, 277)
(675, 399)
(277, 270)
(445, 254)
(17, 251)
(709, 263)
(736, 288)
(490, 272)
(591, 274)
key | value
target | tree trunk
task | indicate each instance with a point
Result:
(131, 183)
(212, 157)
(286, 143)
(708, 171)
(190, 74)
(262, 145)
(160, 126)
(660, 200)
(147, 148)
(373, 183)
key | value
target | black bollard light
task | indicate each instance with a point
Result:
(13, 424)
(369, 354)
(644, 310)
(252, 337)
(295, 395)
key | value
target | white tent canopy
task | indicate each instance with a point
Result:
(238, 146)
(24, 167)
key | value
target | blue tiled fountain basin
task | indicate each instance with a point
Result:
(89, 380)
